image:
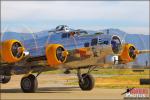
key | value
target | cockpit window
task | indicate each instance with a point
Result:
(67, 28)
(62, 27)
(59, 28)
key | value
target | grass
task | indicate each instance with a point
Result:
(111, 78)
(120, 81)
(116, 82)
(106, 72)
(120, 72)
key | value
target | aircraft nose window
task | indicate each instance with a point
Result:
(116, 44)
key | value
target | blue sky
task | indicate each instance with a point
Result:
(129, 16)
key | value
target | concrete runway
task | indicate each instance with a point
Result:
(55, 88)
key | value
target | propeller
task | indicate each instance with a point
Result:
(17, 50)
(25, 37)
(132, 52)
(61, 54)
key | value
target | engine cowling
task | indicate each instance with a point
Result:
(11, 51)
(128, 54)
(55, 54)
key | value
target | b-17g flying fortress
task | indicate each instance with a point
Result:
(89, 44)
(62, 48)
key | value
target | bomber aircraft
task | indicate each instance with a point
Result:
(61, 48)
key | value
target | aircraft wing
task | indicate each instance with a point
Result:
(143, 51)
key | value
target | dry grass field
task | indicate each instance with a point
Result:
(112, 78)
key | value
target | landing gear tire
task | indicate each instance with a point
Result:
(29, 84)
(86, 82)
(5, 79)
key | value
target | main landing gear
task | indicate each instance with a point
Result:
(86, 81)
(29, 83)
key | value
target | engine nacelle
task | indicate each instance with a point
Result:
(11, 51)
(55, 54)
(128, 54)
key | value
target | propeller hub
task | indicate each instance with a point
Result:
(132, 52)
(136, 52)
(65, 53)
(21, 49)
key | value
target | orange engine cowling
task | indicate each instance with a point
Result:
(55, 54)
(128, 54)
(11, 51)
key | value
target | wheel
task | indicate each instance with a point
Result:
(5, 79)
(29, 84)
(87, 83)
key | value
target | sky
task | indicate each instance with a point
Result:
(129, 16)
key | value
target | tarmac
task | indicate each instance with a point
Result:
(53, 87)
